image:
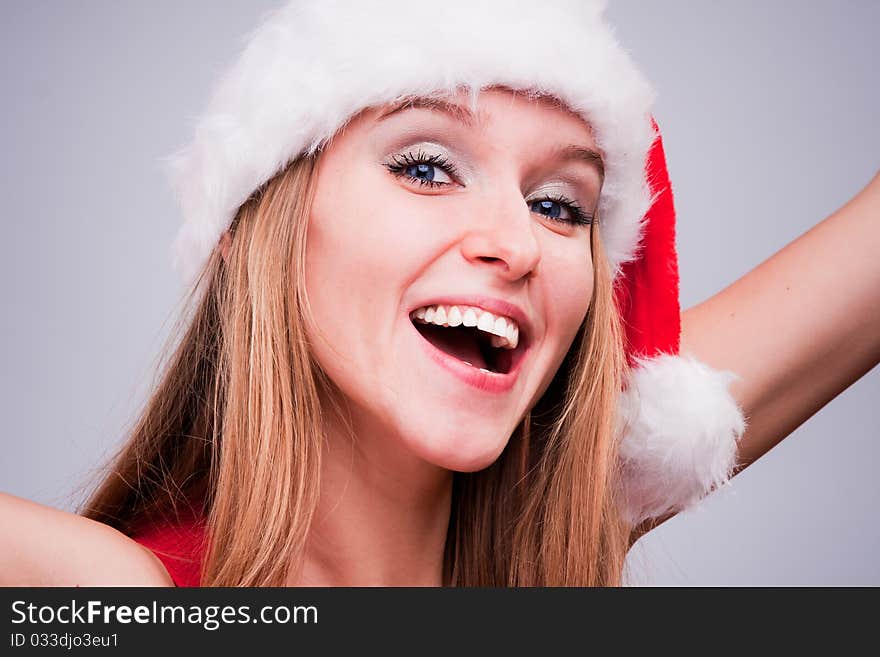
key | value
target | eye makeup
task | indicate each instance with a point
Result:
(568, 194)
(424, 164)
(418, 168)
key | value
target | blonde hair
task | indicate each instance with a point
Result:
(235, 427)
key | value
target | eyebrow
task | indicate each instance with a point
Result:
(466, 117)
(582, 154)
(461, 114)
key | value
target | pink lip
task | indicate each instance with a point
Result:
(493, 382)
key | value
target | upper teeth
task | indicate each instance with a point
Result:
(504, 330)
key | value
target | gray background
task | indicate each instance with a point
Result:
(769, 116)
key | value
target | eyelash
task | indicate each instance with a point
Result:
(402, 162)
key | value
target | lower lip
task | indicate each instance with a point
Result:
(492, 382)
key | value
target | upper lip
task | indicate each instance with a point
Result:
(493, 305)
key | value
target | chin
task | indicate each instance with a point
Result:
(460, 454)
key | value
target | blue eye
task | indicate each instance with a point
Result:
(553, 207)
(548, 208)
(423, 169)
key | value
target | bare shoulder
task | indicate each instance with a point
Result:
(42, 546)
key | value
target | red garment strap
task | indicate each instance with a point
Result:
(180, 546)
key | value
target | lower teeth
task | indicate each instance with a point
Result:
(482, 369)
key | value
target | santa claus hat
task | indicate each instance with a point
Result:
(312, 65)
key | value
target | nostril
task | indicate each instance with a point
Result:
(504, 266)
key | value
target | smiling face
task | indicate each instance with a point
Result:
(427, 205)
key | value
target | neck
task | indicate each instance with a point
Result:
(382, 515)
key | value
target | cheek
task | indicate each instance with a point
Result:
(566, 291)
(369, 235)
(346, 263)
(569, 288)
(367, 241)
(344, 228)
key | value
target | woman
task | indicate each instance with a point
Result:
(379, 395)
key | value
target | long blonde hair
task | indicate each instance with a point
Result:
(235, 427)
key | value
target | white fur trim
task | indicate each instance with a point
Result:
(313, 64)
(680, 437)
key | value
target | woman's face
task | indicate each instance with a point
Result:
(429, 205)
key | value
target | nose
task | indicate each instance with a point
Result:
(504, 237)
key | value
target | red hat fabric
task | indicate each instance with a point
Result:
(647, 292)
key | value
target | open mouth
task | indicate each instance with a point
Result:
(471, 346)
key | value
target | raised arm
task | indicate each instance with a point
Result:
(42, 546)
(798, 329)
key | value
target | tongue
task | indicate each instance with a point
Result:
(458, 342)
